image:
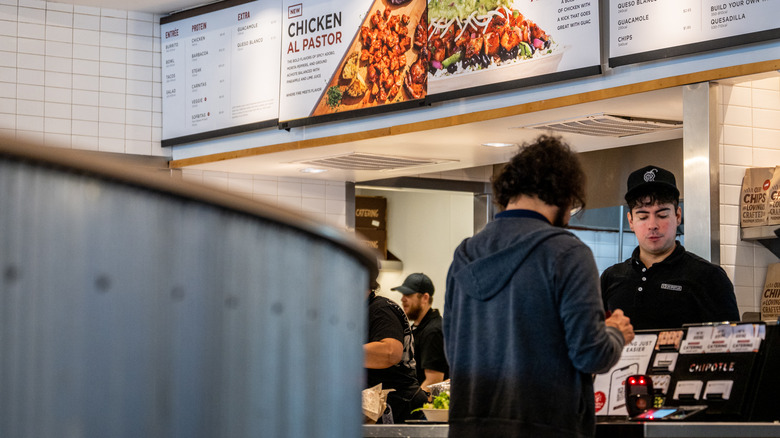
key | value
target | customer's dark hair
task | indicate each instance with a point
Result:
(652, 196)
(547, 169)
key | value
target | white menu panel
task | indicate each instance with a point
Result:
(220, 70)
(641, 26)
(317, 34)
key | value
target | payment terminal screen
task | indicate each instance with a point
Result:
(656, 413)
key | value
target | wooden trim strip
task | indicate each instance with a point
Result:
(479, 116)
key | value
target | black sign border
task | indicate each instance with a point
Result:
(700, 47)
(202, 10)
(545, 79)
(353, 114)
(222, 132)
(215, 133)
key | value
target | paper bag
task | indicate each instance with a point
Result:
(754, 196)
(770, 299)
(773, 199)
(374, 403)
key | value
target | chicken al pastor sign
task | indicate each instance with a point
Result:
(481, 45)
(350, 55)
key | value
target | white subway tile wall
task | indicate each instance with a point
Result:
(322, 201)
(749, 117)
(80, 77)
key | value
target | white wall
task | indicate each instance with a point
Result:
(605, 245)
(322, 201)
(749, 117)
(80, 77)
(423, 230)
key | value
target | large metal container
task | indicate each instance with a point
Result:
(135, 306)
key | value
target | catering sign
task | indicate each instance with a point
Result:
(481, 45)
(641, 30)
(349, 55)
(220, 70)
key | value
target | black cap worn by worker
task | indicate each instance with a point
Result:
(649, 177)
(417, 283)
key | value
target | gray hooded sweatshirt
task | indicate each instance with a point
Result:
(524, 331)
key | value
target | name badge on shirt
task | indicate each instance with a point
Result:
(671, 287)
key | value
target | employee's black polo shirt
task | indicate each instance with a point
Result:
(683, 288)
(429, 345)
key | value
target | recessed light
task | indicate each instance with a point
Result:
(499, 145)
(313, 170)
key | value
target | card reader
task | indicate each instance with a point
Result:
(639, 402)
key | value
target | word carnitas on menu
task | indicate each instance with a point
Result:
(320, 29)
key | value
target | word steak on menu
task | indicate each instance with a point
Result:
(468, 36)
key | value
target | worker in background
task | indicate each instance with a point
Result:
(389, 356)
(416, 300)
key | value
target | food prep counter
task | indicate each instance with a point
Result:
(606, 430)
(727, 368)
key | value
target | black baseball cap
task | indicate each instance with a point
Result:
(648, 178)
(417, 283)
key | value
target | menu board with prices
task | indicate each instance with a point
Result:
(643, 30)
(347, 56)
(220, 71)
(490, 45)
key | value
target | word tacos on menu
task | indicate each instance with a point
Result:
(469, 35)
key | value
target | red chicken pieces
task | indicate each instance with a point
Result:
(384, 46)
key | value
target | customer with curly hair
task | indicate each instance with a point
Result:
(524, 326)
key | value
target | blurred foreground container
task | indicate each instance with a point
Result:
(136, 306)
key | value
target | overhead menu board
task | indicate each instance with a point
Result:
(643, 30)
(489, 45)
(220, 70)
(349, 56)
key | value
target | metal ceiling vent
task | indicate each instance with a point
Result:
(363, 161)
(607, 125)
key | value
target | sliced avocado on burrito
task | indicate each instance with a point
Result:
(460, 9)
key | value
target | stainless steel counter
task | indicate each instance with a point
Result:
(711, 430)
(405, 430)
(621, 430)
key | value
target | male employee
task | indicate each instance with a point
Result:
(432, 365)
(524, 326)
(389, 356)
(662, 285)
